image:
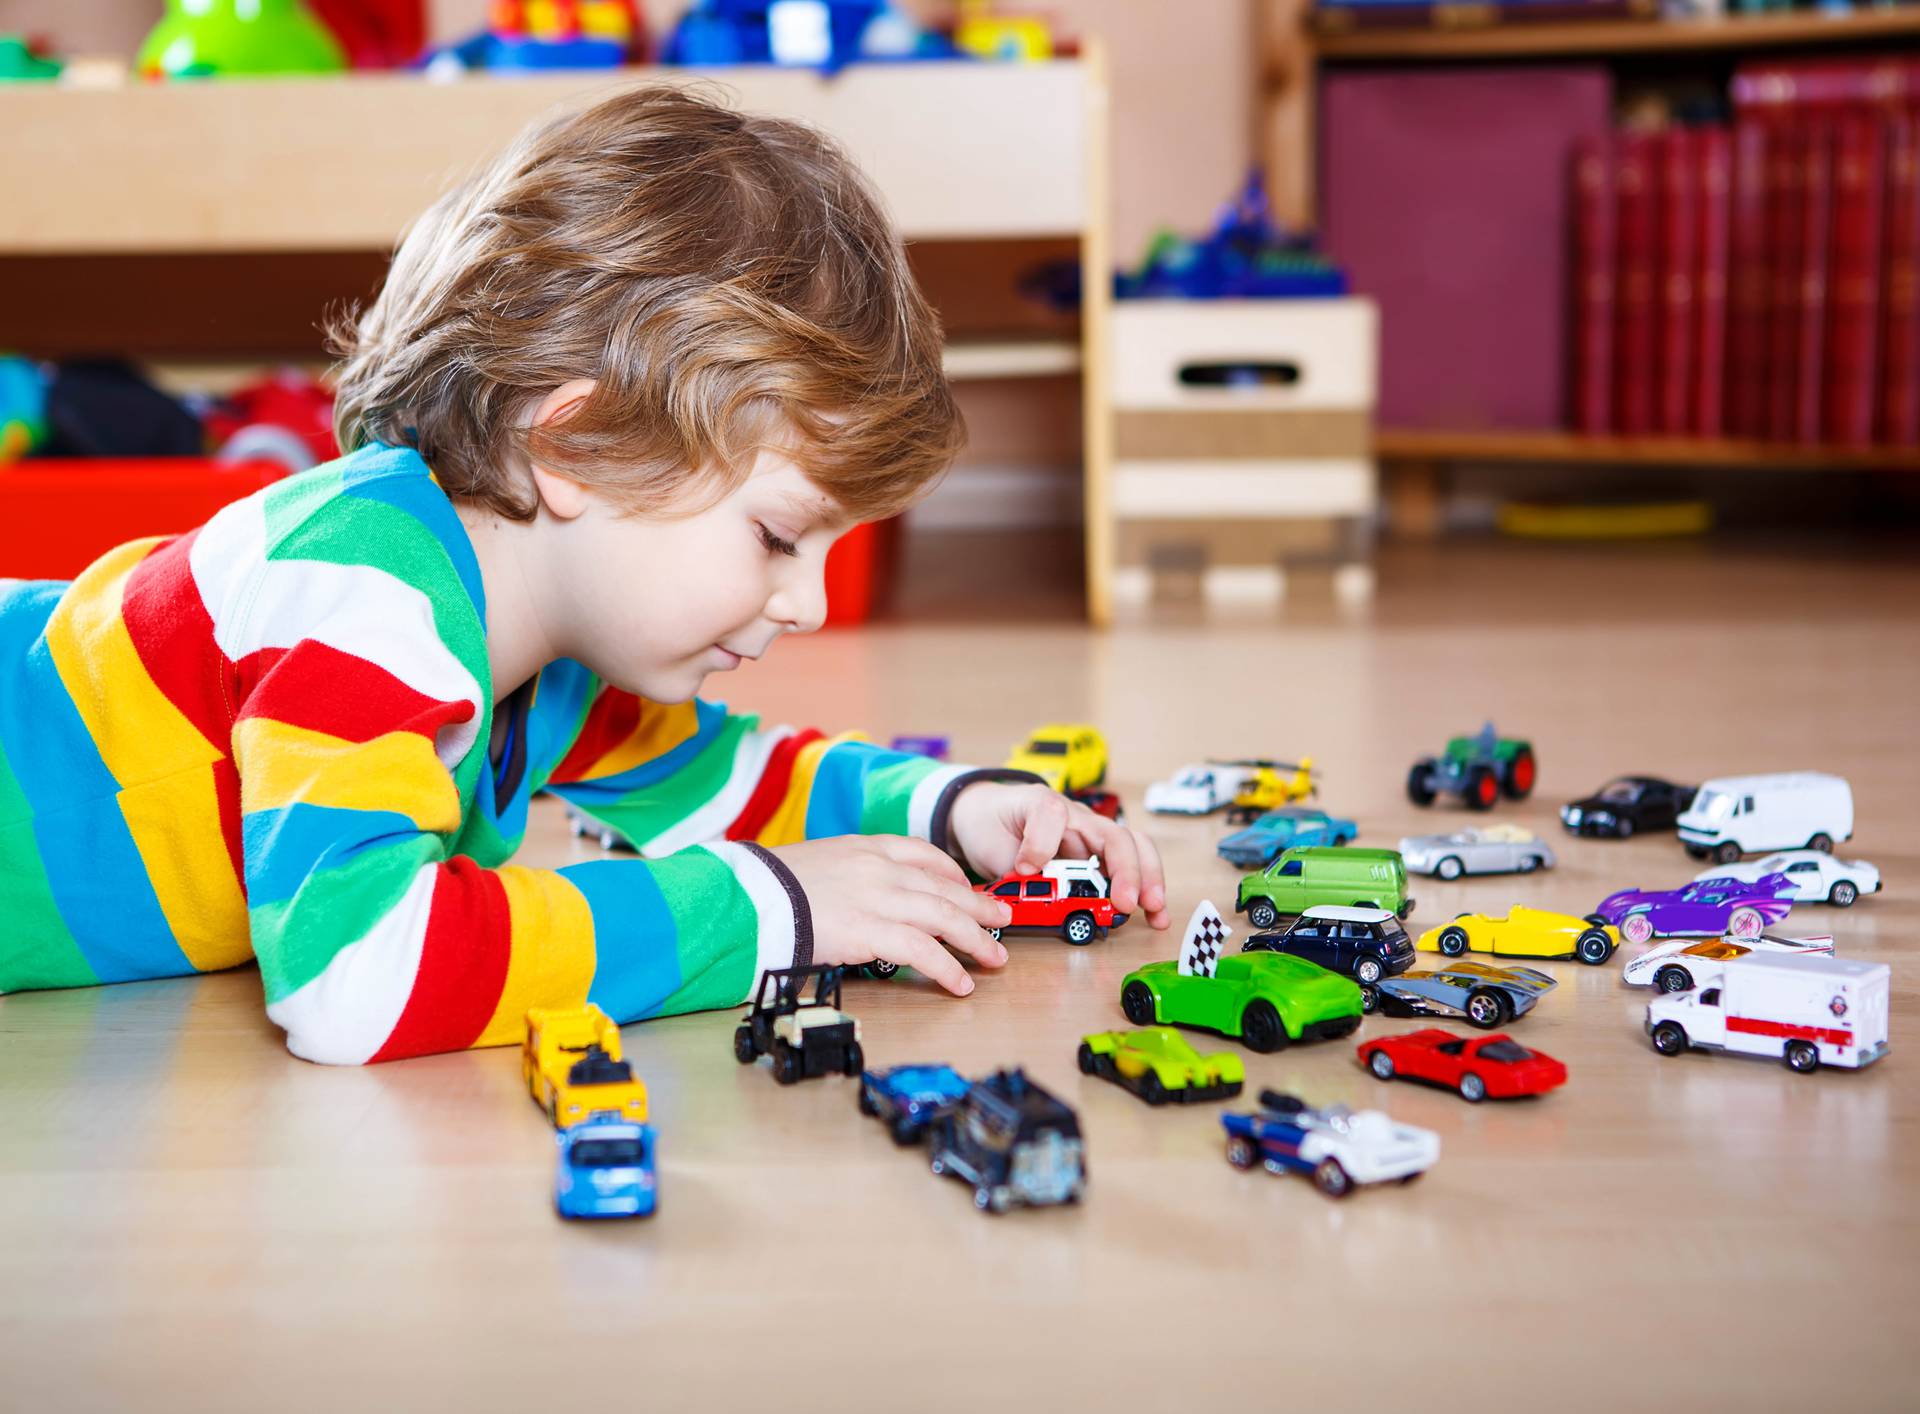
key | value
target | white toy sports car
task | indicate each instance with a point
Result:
(1817, 877)
(1678, 965)
(1196, 790)
(1336, 1147)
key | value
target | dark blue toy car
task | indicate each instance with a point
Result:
(1011, 1142)
(1365, 944)
(906, 1098)
(606, 1170)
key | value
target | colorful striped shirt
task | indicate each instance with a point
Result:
(270, 738)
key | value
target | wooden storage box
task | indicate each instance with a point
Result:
(1242, 443)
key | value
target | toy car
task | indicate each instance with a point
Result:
(1013, 1141)
(1262, 842)
(1626, 805)
(605, 1170)
(907, 1098)
(1158, 1064)
(1805, 1011)
(1496, 849)
(1364, 943)
(1705, 908)
(1814, 877)
(806, 1036)
(571, 1064)
(1267, 788)
(1068, 756)
(1476, 1067)
(1068, 896)
(1262, 999)
(1478, 769)
(1101, 802)
(1679, 965)
(1738, 815)
(1197, 790)
(1338, 1147)
(1523, 932)
(1306, 878)
(1486, 996)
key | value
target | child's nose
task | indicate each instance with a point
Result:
(801, 604)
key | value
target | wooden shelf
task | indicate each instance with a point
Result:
(962, 151)
(1572, 448)
(1601, 37)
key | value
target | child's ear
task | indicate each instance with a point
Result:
(566, 499)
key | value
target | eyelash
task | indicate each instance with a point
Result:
(774, 543)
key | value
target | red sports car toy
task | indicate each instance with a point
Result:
(1478, 1067)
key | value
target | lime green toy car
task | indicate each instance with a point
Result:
(1262, 999)
(1310, 876)
(1158, 1064)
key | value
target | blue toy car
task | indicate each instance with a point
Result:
(1261, 843)
(908, 1097)
(606, 1170)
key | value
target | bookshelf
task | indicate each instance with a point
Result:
(1519, 448)
(1591, 38)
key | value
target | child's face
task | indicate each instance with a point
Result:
(663, 602)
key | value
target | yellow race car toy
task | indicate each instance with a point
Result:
(1523, 932)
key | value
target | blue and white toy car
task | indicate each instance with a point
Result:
(1337, 1147)
(606, 1170)
(1260, 843)
(906, 1098)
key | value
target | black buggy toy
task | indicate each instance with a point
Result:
(807, 1036)
(1012, 1142)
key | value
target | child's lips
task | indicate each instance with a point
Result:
(729, 658)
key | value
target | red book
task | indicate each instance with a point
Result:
(1635, 330)
(1900, 287)
(1749, 292)
(1853, 281)
(1593, 262)
(1786, 234)
(1676, 266)
(1830, 84)
(1816, 247)
(1715, 183)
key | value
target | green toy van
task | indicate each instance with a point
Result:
(1308, 876)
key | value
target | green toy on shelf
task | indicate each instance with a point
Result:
(218, 38)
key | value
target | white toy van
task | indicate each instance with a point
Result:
(1806, 1011)
(1738, 815)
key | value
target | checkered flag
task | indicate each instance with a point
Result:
(1206, 939)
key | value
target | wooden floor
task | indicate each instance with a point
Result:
(190, 1219)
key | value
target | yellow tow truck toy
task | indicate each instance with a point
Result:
(573, 1068)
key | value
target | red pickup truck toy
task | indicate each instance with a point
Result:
(1068, 896)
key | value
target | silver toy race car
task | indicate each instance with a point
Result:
(1486, 996)
(1496, 849)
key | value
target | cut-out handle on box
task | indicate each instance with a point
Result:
(1239, 373)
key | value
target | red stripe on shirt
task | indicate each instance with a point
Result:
(323, 689)
(172, 634)
(463, 964)
(614, 717)
(772, 789)
(226, 792)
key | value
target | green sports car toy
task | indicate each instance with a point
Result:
(1263, 999)
(1158, 1064)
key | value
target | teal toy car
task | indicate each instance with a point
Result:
(1309, 877)
(1262, 999)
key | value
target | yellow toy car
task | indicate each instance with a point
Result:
(1068, 756)
(1272, 785)
(1523, 932)
(571, 1064)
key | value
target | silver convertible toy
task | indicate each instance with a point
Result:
(1495, 849)
(1486, 996)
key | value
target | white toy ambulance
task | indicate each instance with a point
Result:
(1738, 815)
(1806, 1011)
(1197, 790)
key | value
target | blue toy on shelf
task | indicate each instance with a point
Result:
(815, 34)
(1247, 256)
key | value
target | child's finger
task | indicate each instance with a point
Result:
(1120, 857)
(1153, 881)
(903, 849)
(948, 920)
(906, 945)
(1040, 837)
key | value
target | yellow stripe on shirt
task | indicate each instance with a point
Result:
(552, 958)
(281, 765)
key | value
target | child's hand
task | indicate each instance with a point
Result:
(895, 899)
(1007, 829)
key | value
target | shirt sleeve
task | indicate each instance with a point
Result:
(672, 776)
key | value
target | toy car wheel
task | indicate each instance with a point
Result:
(1823, 843)
(1694, 851)
(1530, 863)
(855, 1060)
(1137, 1002)
(1483, 788)
(1331, 1179)
(743, 1045)
(995, 1200)
(1381, 1064)
(1472, 1088)
(786, 1063)
(904, 1131)
(1078, 929)
(1594, 947)
(1636, 927)
(1240, 1151)
(880, 970)
(1412, 1177)
(1260, 1027)
(1622, 828)
(1842, 894)
(1745, 923)
(1519, 777)
(1802, 1057)
(1669, 1039)
(1367, 969)
(1369, 999)
(1085, 1057)
(1262, 914)
(1152, 1089)
(1450, 868)
(863, 1101)
(1727, 853)
(1453, 941)
(553, 1110)
(1673, 979)
(1485, 1008)
(1420, 784)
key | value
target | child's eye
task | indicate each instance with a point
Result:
(774, 542)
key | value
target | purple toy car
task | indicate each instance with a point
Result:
(1707, 907)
